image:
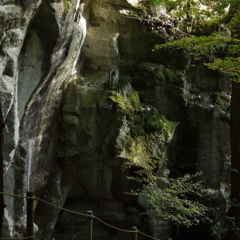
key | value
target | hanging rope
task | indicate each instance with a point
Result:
(71, 211)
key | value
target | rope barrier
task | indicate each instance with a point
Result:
(71, 211)
(147, 235)
(12, 195)
(39, 199)
(119, 229)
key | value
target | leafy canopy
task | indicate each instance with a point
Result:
(172, 199)
(224, 45)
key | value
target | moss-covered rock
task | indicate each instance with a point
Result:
(217, 103)
(128, 104)
(158, 73)
(149, 132)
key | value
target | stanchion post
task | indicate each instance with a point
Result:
(30, 215)
(134, 236)
(89, 225)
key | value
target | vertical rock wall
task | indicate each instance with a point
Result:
(66, 140)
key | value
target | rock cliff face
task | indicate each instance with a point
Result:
(68, 133)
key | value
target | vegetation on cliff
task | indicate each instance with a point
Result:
(217, 49)
(168, 197)
(150, 132)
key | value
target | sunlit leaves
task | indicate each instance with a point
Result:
(204, 8)
(173, 199)
(226, 42)
(228, 62)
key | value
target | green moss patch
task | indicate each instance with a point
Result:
(67, 6)
(137, 152)
(151, 121)
(145, 119)
(160, 73)
(128, 104)
(149, 133)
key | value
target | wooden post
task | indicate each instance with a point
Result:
(89, 225)
(30, 215)
(134, 236)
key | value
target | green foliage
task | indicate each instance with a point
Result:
(214, 8)
(217, 103)
(67, 6)
(222, 100)
(173, 200)
(231, 226)
(217, 51)
(171, 74)
(128, 104)
(155, 120)
(137, 152)
(126, 98)
(171, 32)
(150, 120)
(227, 42)
(229, 65)
(134, 99)
(124, 85)
(200, 46)
(142, 9)
(161, 73)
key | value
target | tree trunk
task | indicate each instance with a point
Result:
(2, 205)
(235, 155)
